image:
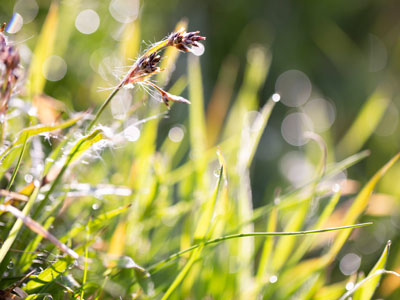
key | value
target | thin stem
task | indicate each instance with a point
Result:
(158, 265)
(103, 107)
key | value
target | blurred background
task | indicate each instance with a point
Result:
(335, 64)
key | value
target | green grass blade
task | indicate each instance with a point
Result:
(196, 109)
(264, 264)
(259, 60)
(378, 274)
(160, 264)
(29, 255)
(47, 276)
(17, 226)
(8, 156)
(44, 48)
(96, 223)
(364, 125)
(80, 147)
(358, 207)
(248, 148)
(201, 232)
(326, 213)
(285, 245)
(368, 289)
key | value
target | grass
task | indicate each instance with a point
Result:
(102, 217)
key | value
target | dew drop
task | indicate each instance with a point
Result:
(273, 279)
(276, 97)
(28, 178)
(336, 188)
(349, 286)
(217, 173)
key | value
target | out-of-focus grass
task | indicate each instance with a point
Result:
(155, 215)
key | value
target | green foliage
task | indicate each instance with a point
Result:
(162, 211)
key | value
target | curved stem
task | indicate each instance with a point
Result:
(157, 266)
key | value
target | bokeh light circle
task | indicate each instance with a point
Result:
(294, 87)
(124, 11)
(28, 9)
(294, 127)
(321, 112)
(349, 263)
(54, 68)
(176, 134)
(87, 21)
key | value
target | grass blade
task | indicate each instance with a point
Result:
(364, 125)
(201, 232)
(378, 274)
(196, 109)
(358, 207)
(160, 264)
(17, 226)
(43, 50)
(367, 290)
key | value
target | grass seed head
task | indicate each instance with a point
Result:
(9, 70)
(183, 41)
(146, 66)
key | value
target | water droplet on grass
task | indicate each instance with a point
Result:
(273, 279)
(349, 286)
(276, 97)
(28, 178)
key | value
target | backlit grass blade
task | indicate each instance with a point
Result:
(207, 211)
(364, 125)
(288, 200)
(38, 229)
(96, 223)
(357, 207)
(29, 254)
(378, 274)
(44, 48)
(267, 250)
(220, 99)
(201, 232)
(47, 276)
(130, 42)
(117, 244)
(80, 147)
(285, 245)
(330, 292)
(367, 290)
(160, 264)
(254, 132)
(196, 109)
(8, 155)
(306, 244)
(259, 61)
(17, 226)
